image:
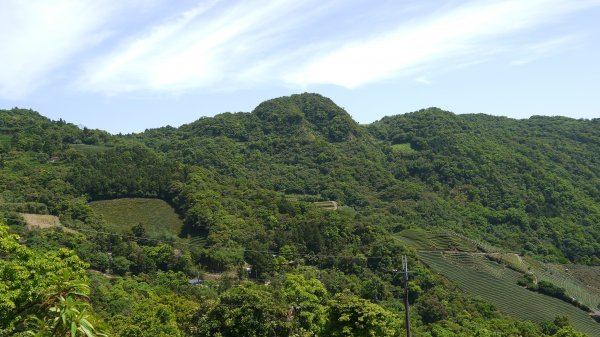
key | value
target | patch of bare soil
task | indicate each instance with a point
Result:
(39, 221)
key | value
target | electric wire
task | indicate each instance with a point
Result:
(193, 244)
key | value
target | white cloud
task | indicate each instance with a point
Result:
(467, 30)
(209, 45)
(538, 50)
(227, 45)
(423, 80)
(37, 37)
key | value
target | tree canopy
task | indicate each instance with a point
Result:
(291, 217)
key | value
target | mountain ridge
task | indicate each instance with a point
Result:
(248, 189)
(529, 183)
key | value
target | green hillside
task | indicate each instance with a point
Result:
(295, 205)
(525, 185)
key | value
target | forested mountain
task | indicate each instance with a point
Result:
(527, 184)
(247, 187)
(530, 185)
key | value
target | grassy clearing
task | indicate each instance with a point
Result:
(496, 284)
(404, 148)
(158, 217)
(90, 148)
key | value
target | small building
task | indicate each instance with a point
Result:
(195, 281)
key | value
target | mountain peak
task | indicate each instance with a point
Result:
(307, 110)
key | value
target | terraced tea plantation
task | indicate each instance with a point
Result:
(558, 275)
(158, 217)
(422, 240)
(496, 284)
(491, 274)
(590, 276)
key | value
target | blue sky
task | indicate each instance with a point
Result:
(128, 65)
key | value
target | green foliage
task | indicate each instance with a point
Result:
(147, 319)
(144, 306)
(307, 298)
(245, 186)
(120, 265)
(516, 181)
(568, 332)
(29, 131)
(353, 316)
(551, 290)
(65, 313)
(405, 148)
(125, 170)
(246, 310)
(42, 294)
(93, 149)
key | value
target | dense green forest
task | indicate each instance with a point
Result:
(265, 259)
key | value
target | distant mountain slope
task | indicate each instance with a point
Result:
(530, 184)
(525, 184)
(303, 144)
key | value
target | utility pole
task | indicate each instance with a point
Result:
(405, 272)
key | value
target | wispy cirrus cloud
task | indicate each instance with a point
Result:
(539, 50)
(228, 45)
(211, 45)
(476, 28)
(38, 37)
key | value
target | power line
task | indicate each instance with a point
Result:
(192, 244)
(404, 271)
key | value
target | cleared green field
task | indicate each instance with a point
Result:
(90, 148)
(496, 284)
(158, 217)
(404, 148)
